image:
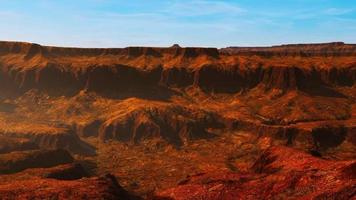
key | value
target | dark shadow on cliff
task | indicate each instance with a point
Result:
(323, 91)
(326, 137)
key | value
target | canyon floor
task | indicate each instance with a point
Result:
(178, 123)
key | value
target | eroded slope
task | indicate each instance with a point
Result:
(152, 116)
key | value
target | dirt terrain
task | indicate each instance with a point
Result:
(178, 123)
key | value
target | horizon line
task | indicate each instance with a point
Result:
(232, 46)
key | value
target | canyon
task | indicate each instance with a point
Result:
(178, 123)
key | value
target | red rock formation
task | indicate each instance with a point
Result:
(63, 138)
(105, 187)
(227, 80)
(90, 129)
(51, 96)
(30, 50)
(9, 144)
(17, 161)
(177, 77)
(172, 123)
(64, 71)
(279, 173)
(71, 171)
(322, 49)
(66, 140)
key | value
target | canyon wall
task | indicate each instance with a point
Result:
(321, 76)
(68, 70)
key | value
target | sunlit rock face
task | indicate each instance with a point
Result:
(250, 122)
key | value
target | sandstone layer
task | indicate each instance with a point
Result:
(215, 112)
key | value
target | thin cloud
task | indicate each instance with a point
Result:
(203, 7)
(218, 23)
(337, 11)
(315, 13)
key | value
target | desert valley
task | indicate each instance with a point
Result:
(178, 123)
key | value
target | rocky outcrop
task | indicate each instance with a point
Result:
(339, 77)
(304, 50)
(29, 50)
(317, 137)
(313, 80)
(121, 78)
(63, 138)
(105, 187)
(251, 98)
(232, 79)
(19, 161)
(104, 79)
(213, 78)
(177, 77)
(9, 144)
(323, 49)
(113, 79)
(51, 77)
(278, 173)
(62, 71)
(71, 171)
(174, 124)
(89, 129)
(283, 77)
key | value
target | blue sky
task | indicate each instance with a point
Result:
(219, 23)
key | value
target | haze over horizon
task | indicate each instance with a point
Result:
(207, 23)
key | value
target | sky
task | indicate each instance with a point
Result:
(205, 23)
